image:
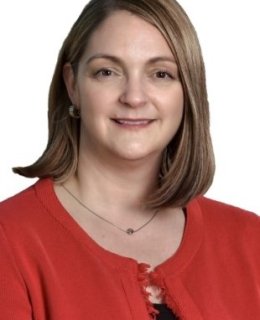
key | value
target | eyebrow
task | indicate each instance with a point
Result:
(119, 61)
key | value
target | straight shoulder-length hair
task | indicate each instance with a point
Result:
(187, 166)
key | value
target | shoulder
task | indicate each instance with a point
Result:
(24, 217)
(20, 207)
(17, 202)
(225, 223)
(224, 212)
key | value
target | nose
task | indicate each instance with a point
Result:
(134, 94)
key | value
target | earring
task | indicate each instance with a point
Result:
(74, 112)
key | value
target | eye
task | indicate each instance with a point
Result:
(104, 73)
(163, 75)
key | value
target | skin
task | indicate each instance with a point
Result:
(131, 102)
(122, 78)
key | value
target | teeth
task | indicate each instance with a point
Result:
(133, 122)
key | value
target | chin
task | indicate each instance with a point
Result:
(139, 155)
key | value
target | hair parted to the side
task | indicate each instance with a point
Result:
(187, 167)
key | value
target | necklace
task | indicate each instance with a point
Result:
(128, 231)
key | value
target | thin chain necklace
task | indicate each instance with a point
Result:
(128, 231)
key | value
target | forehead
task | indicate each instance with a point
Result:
(128, 35)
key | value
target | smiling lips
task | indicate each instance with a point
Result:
(133, 123)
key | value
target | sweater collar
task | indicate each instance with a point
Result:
(191, 241)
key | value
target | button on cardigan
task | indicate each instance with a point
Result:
(50, 269)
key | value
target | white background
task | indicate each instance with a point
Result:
(31, 33)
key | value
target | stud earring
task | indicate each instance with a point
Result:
(74, 112)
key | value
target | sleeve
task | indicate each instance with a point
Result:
(14, 300)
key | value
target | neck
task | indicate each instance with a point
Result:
(117, 185)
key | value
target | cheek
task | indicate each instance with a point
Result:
(94, 99)
(174, 105)
(91, 103)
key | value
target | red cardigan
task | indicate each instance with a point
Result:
(50, 269)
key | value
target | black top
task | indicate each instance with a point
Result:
(165, 312)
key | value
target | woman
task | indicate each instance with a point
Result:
(117, 226)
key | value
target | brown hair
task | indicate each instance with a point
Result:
(187, 167)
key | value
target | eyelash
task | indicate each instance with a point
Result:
(106, 73)
(101, 72)
(168, 75)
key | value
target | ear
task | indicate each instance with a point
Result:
(70, 82)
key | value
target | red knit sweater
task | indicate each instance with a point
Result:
(50, 269)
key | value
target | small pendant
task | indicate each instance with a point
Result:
(130, 231)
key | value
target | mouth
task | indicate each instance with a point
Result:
(133, 123)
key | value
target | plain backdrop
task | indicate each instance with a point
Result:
(31, 34)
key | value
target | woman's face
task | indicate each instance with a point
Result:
(127, 89)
